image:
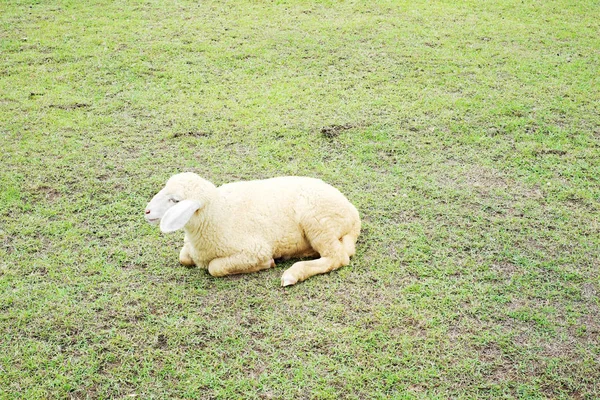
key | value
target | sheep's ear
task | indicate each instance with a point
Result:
(177, 216)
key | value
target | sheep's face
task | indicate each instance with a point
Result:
(160, 204)
(174, 205)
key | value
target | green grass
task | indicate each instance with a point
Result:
(467, 133)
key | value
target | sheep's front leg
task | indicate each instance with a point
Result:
(238, 264)
(185, 257)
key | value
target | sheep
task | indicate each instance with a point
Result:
(243, 227)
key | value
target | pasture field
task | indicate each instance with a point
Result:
(467, 133)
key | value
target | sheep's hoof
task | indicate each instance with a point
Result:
(187, 262)
(288, 280)
(185, 259)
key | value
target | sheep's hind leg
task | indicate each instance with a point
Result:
(238, 264)
(333, 256)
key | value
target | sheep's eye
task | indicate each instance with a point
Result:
(174, 200)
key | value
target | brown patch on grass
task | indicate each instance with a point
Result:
(484, 180)
(87, 393)
(190, 133)
(505, 271)
(390, 157)
(161, 341)
(333, 131)
(361, 304)
(73, 106)
(481, 177)
(503, 372)
(490, 352)
(416, 388)
(588, 291)
(551, 151)
(505, 268)
(410, 326)
(49, 193)
(6, 100)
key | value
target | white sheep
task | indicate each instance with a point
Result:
(243, 226)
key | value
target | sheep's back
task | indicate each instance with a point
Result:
(273, 211)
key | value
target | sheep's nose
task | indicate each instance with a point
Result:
(147, 211)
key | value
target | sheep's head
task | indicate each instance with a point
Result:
(177, 202)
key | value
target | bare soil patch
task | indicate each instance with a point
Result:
(333, 131)
(73, 106)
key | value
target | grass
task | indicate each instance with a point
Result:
(467, 134)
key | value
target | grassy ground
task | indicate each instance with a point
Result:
(466, 132)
